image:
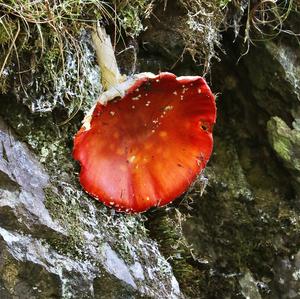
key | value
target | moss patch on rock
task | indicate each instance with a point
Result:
(286, 143)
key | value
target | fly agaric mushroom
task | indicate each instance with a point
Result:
(146, 140)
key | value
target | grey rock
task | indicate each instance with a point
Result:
(76, 255)
(249, 286)
(287, 277)
(22, 180)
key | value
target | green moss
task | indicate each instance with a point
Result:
(200, 29)
(224, 3)
(66, 202)
(131, 15)
(59, 63)
(9, 274)
(68, 214)
(7, 31)
(285, 142)
(282, 147)
(48, 55)
(237, 224)
(166, 227)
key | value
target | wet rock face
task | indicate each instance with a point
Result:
(41, 257)
(242, 236)
(22, 180)
(239, 240)
(287, 277)
(276, 89)
(286, 143)
(22, 210)
(20, 279)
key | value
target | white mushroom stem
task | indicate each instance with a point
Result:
(110, 74)
(114, 84)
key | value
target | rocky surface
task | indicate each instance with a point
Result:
(36, 260)
(242, 236)
(237, 238)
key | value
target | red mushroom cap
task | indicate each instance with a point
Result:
(146, 148)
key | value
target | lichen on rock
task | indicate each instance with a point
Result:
(286, 143)
(239, 239)
(85, 240)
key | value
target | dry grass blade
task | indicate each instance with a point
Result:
(13, 44)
